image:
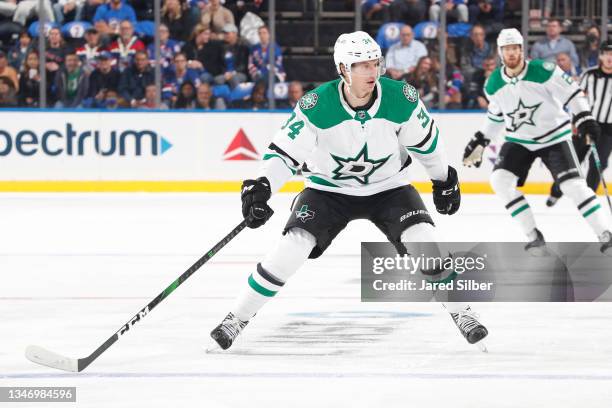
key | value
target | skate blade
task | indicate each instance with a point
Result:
(482, 346)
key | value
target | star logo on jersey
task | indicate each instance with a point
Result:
(304, 214)
(522, 115)
(360, 167)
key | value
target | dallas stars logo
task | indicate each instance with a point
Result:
(304, 214)
(360, 167)
(523, 115)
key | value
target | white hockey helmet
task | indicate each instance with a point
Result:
(356, 47)
(509, 36)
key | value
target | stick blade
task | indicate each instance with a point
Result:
(48, 358)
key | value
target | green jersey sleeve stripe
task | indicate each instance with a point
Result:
(431, 148)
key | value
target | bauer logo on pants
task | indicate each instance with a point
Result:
(304, 214)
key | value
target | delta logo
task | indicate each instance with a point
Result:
(240, 148)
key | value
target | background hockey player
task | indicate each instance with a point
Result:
(354, 136)
(597, 83)
(526, 100)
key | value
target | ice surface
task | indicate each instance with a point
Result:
(75, 267)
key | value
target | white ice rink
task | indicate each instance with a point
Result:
(75, 267)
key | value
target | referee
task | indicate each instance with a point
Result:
(596, 82)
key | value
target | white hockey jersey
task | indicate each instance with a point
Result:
(529, 108)
(352, 152)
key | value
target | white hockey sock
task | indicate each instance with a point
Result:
(587, 203)
(424, 232)
(504, 184)
(284, 260)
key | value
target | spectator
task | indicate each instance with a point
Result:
(55, 54)
(114, 101)
(7, 71)
(144, 9)
(126, 46)
(8, 94)
(186, 96)
(177, 20)
(258, 59)
(205, 99)
(102, 79)
(423, 78)
(88, 53)
(476, 98)
(109, 16)
(236, 56)
(589, 53)
(22, 10)
(554, 43)
(68, 10)
(205, 54)
(256, 101)
(376, 8)
(19, 51)
(565, 63)
(296, 91)
(402, 57)
(456, 11)
(148, 102)
(240, 7)
(71, 83)
(475, 52)
(167, 47)
(135, 78)
(176, 76)
(29, 82)
(90, 7)
(215, 17)
(488, 13)
(411, 12)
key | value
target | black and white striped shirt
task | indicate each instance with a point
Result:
(598, 87)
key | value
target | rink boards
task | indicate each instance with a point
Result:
(180, 151)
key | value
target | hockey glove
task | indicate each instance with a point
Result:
(472, 156)
(255, 195)
(446, 194)
(589, 129)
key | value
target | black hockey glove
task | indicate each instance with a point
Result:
(472, 155)
(446, 194)
(589, 128)
(255, 195)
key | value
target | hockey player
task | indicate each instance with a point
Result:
(526, 99)
(355, 137)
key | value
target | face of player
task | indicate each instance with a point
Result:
(512, 56)
(363, 77)
(606, 60)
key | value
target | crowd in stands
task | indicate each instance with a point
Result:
(101, 53)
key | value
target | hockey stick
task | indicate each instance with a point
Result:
(601, 176)
(48, 358)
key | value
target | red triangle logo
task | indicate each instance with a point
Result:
(240, 148)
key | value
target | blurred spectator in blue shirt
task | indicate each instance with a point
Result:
(176, 75)
(258, 60)
(402, 57)
(554, 43)
(167, 47)
(19, 51)
(565, 63)
(475, 52)
(376, 8)
(109, 15)
(456, 11)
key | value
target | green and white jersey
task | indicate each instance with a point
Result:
(529, 108)
(355, 152)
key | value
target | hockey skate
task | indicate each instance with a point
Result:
(470, 327)
(537, 247)
(606, 243)
(226, 332)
